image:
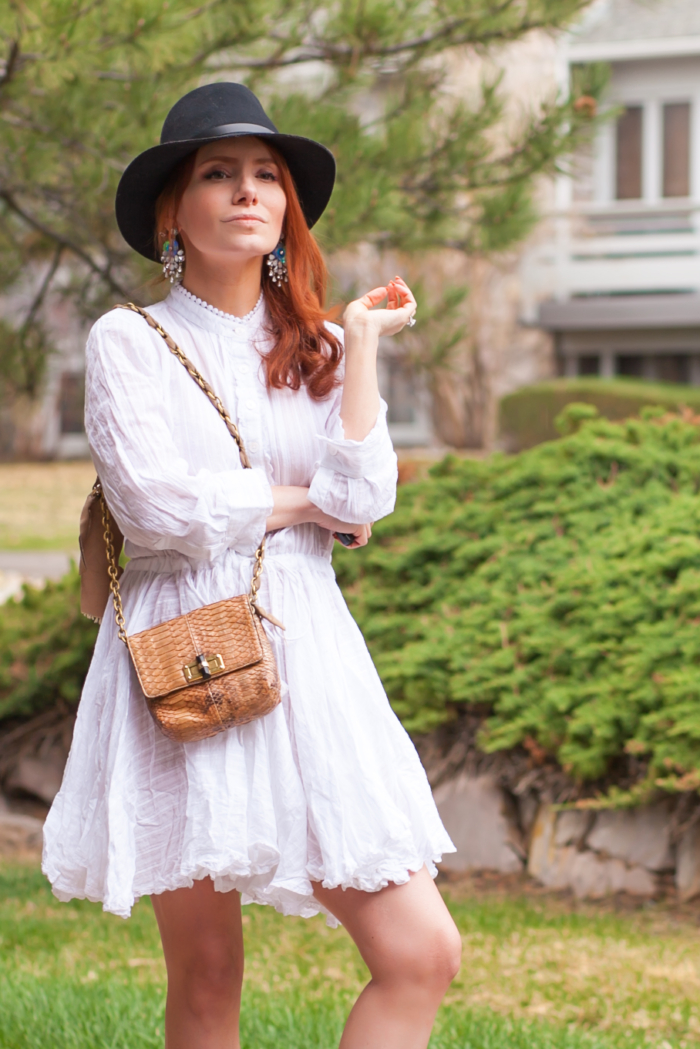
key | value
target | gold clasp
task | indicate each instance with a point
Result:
(203, 668)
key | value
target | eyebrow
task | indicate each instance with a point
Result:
(258, 160)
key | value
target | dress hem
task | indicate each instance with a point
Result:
(285, 900)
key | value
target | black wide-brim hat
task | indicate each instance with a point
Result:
(204, 115)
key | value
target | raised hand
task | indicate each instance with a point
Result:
(361, 314)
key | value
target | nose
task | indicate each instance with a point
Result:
(246, 190)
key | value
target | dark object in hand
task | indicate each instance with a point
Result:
(346, 538)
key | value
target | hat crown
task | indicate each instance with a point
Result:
(210, 107)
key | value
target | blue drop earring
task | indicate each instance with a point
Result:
(277, 264)
(173, 258)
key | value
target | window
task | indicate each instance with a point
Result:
(589, 365)
(628, 175)
(676, 178)
(631, 366)
(401, 394)
(672, 367)
(71, 402)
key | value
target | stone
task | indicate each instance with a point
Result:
(593, 878)
(557, 861)
(20, 834)
(688, 864)
(571, 828)
(478, 818)
(639, 837)
(548, 863)
(40, 777)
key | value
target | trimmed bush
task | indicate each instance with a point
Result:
(527, 417)
(45, 648)
(556, 592)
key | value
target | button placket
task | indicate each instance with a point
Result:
(248, 408)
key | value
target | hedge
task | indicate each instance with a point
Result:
(45, 649)
(527, 417)
(557, 592)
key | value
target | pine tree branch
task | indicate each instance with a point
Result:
(12, 63)
(101, 271)
(289, 53)
(43, 289)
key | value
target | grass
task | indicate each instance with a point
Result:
(40, 504)
(535, 976)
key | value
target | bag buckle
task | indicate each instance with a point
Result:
(203, 668)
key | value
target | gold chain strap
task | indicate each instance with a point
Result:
(245, 463)
(112, 566)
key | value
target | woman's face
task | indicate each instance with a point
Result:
(234, 204)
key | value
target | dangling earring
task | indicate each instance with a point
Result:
(277, 264)
(173, 258)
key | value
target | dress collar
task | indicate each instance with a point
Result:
(199, 312)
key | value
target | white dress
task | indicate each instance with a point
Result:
(326, 788)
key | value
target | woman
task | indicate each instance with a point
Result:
(321, 805)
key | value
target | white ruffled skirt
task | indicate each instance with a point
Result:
(327, 788)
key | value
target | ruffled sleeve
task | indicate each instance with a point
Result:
(355, 481)
(158, 501)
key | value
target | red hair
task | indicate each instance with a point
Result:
(304, 350)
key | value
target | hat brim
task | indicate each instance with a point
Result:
(311, 165)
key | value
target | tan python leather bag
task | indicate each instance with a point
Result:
(207, 670)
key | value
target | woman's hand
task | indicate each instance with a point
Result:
(361, 316)
(361, 532)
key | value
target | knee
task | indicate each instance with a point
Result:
(208, 979)
(430, 961)
(445, 955)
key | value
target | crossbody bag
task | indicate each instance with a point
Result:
(204, 671)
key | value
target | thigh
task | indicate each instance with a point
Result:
(401, 925)
(200, 925)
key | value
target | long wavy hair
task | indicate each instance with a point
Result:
(304, 351)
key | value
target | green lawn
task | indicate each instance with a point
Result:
(535, 976)
(40, 504)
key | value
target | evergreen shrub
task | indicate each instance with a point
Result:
(45, 648)
(556, 592)
(528, 416)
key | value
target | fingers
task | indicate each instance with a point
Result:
(361, 534)
(400, 297)
(373, 297)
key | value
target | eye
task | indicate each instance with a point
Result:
(267, 176)
(216, 175)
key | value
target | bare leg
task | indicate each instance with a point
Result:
(412, 949)
(203, 946)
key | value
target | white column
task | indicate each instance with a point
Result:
(695, 147)
(604, 170)
(607, 364)
(652, 152)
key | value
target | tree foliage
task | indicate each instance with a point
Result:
(84, 86)
(556, 592)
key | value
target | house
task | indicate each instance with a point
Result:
(617, 280)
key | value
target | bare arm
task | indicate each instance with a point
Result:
(364, 326)
(292, 507)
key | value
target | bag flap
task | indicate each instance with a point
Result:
(226, 630)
